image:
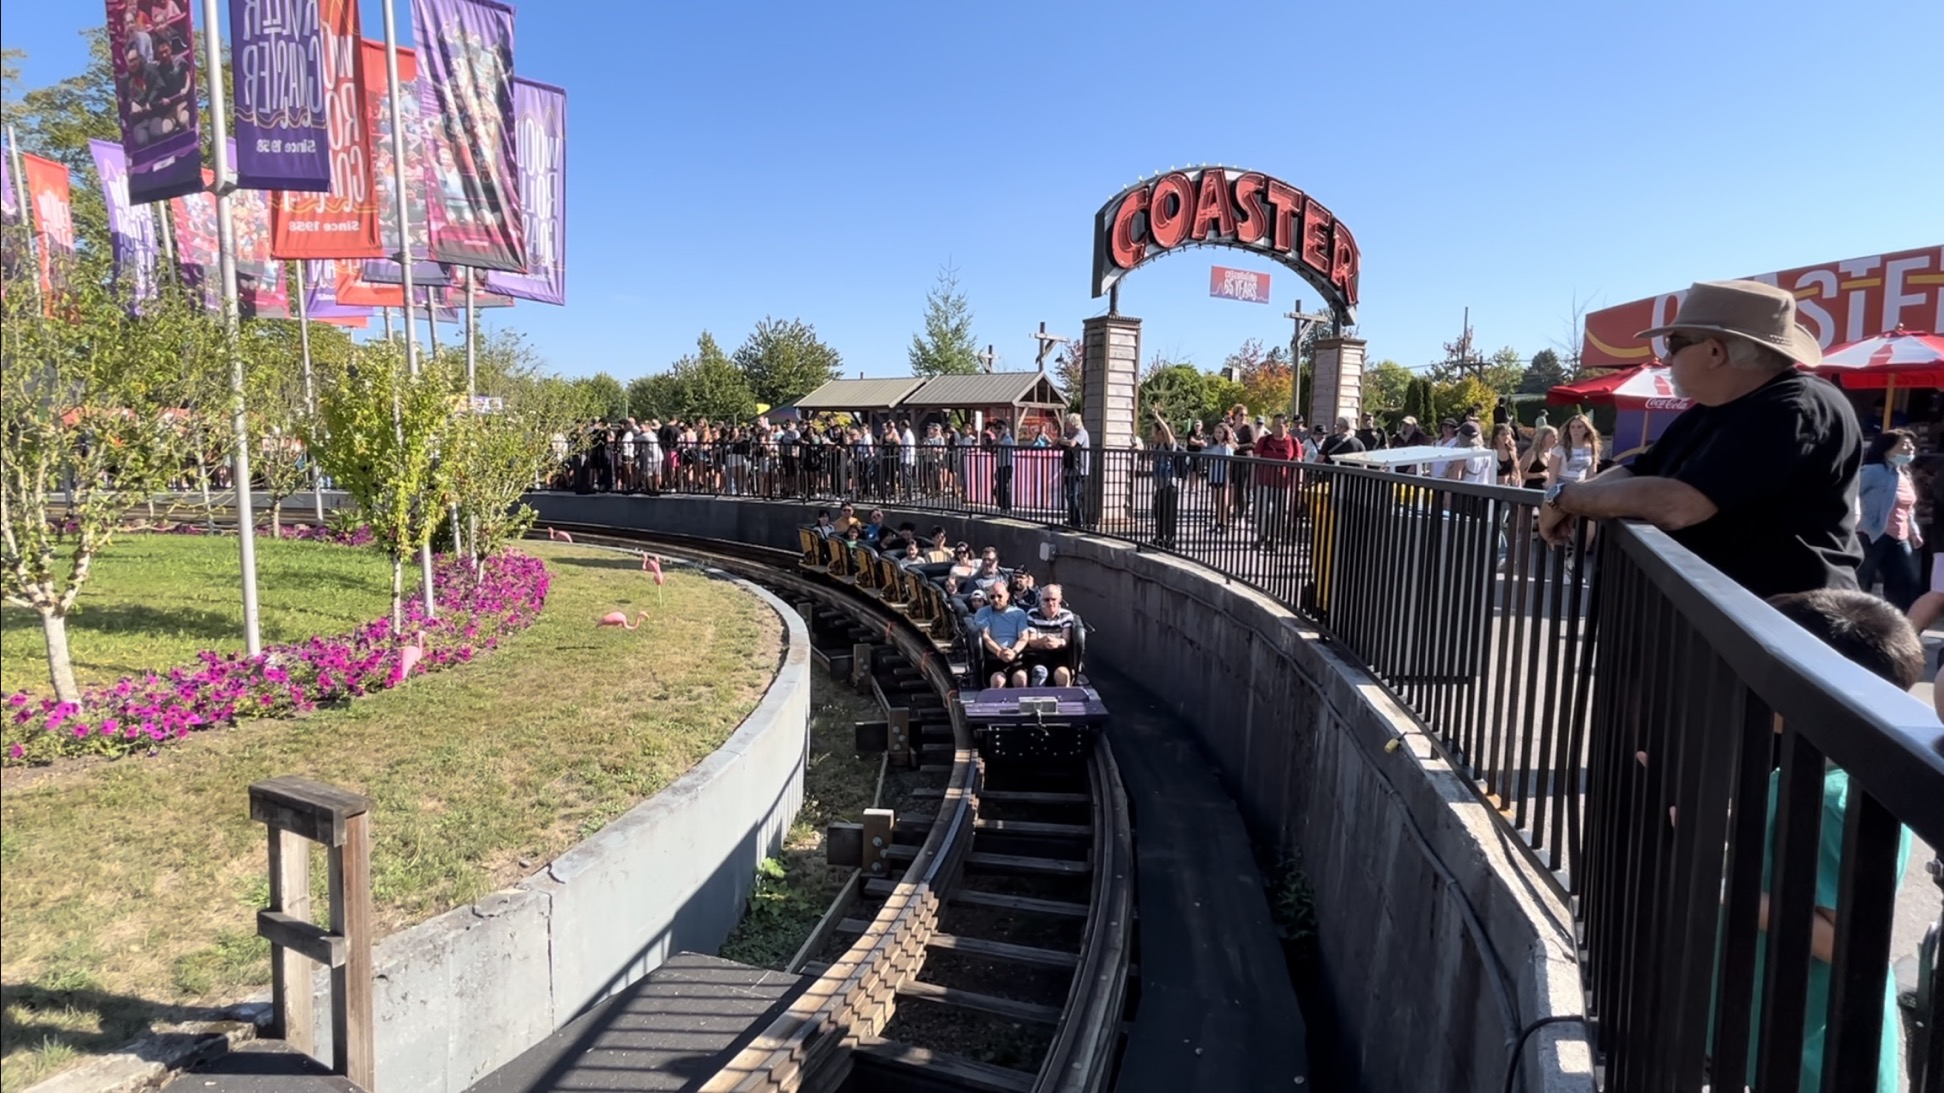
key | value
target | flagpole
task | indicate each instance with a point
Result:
(432, 322)
(310, 394)
(404, 246)
(26, 213)
(472, 392)
(384, 315)
(226, 260)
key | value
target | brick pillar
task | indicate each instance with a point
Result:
(1337, 388)
(1109, 380)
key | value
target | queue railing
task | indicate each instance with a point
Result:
(1617, 703)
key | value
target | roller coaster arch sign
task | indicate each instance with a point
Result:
(1227, 207)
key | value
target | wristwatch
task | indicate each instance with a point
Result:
(1552, 494)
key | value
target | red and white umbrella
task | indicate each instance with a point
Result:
(1895, 351)
(1902, 358)
(1644, 387)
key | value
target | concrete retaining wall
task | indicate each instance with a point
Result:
(1439, 941)
(463, 993)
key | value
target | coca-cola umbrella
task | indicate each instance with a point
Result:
(1885, 362)
(1642, 387)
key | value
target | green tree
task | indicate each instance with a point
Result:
(1459, 397)
(657, 397)
(90, 407)
(1385, 385)
(1542, 374)
(783, 360)
(1177, 392)
(603, 396)
(1069, 372)
(1503, 371)
(946, 347)
(385, 429)
(711, 386)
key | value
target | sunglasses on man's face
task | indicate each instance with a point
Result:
(1678, 342)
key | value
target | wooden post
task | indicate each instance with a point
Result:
(294, 1020)
(353, 1054)
(297, 810)
(879, 823)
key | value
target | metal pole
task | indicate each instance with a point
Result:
(384, 316)
(26, 213)
(310, 393)
(432, 321)
(404, 239)
(472, 391)
(226, 258)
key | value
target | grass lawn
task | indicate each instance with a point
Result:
(131, 886)
(154, 601)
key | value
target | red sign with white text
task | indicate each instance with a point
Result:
(1238, 284)
(1837, 302)
(344, 222)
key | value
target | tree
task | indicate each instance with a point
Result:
(1267, 379)
(89, 405)
(385, 429)
(946, 347)
(783, 360)
(1177, 392)
(1503, 371)
(1385, 385)
(656, 397)
(1069, 372)
(1456, 399)
(1544, 373)
(278, 413)
(603, 396)
(711, 386)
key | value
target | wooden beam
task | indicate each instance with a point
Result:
(306, 939)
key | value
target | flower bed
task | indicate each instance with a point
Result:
(140, 714)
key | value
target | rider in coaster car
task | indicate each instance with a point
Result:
(1053, 640)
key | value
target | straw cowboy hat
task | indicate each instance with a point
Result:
(1749, 310)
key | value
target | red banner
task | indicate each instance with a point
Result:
(344, 222)
(1238, 284)
(353, 290)
(1838, 302)
(51, 200)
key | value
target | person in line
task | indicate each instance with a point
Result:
(1243, 437)
(1578, 458)
(1370, 436)
(1167, 468)
(1447, 438)
(1474, 461)
(1002, 630)
(1076, 446)
(1505, 445)
(1888, 526)
(1536, 467)
(1002, 445)
(1872, 634)
(1273, 482)
(1215, 459)
(1758, 477)
(1344, 442)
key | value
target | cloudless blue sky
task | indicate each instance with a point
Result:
(728, 161)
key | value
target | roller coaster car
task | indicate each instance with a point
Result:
(1032, 724)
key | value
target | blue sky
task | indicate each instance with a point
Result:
(728, 161)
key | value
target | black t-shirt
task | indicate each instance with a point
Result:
(1780, 464)
(1346, 444)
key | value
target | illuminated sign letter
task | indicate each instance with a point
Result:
(1169, 209)
(1316, 235)
(1251, 215)
(1288, 203)
(1212, 209)
(1127, 249)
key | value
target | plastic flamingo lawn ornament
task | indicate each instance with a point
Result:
(408, 658)
(652, 564)
(620, 618)
(559, 536)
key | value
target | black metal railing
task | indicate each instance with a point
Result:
(1631, 758)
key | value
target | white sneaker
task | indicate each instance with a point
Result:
(1039, 675)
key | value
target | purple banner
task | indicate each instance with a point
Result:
(283, 138)
(152, 47)
(425, 273)
(9, 200)
(540, 124)
(465, 56)
(320, 301)
(131, 228)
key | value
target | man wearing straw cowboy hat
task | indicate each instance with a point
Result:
(1758, 477)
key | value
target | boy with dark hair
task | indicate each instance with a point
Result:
(1873, 634)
